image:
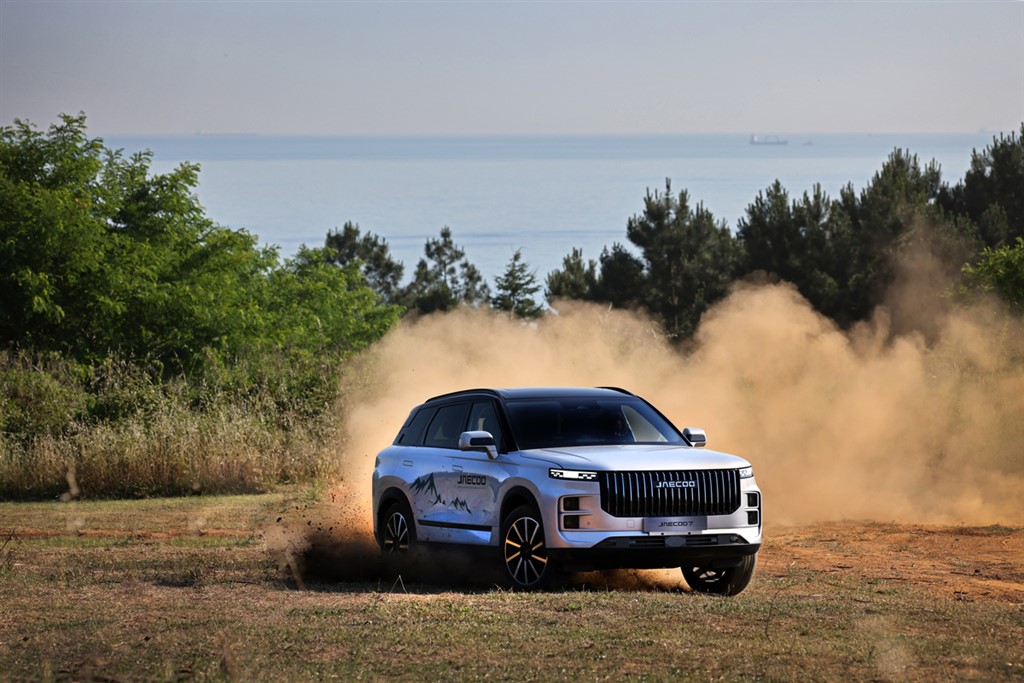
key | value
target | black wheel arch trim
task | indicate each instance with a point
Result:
(516, 496)
(391, 495)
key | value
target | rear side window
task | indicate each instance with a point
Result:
(447, 425)
(412, 432)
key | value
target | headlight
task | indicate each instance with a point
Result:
(746, 472)
(572, 474)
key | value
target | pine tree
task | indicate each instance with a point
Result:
(515, 289)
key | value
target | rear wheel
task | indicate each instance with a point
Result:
(524, 550)
(726, 581)
(397, 529)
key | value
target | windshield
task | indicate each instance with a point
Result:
(562, 422)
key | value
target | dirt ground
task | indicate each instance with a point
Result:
(965, 563)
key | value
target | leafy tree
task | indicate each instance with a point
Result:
(315, 307)
(1001, 271)
(444, 279)
(382, 273)
(690, 258)
(516, 288)
(51, 243)
(98, 255)
(576, 280)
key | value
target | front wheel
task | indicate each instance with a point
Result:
(727, 581)
(524, 551)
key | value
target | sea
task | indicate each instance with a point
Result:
(542, 195)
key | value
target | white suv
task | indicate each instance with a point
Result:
(564, 479)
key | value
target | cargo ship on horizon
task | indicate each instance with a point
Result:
(768, 140)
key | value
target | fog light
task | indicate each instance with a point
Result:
(752, 516)
(571, 504)
(572, 522)
(752, 499)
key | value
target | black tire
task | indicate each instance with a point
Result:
(524, 551)
(397, 529)
(728, 581)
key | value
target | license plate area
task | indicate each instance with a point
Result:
(661, 526)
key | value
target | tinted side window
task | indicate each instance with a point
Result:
(412, 432)
(446, 426)
(483, 417)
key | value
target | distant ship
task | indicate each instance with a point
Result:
(768, 140)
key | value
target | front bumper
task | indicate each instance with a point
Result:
(581, 527)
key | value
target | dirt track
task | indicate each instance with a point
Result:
(964, 563)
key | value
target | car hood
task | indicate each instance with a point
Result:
(632, 457)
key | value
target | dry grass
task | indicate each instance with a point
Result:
(138, 591)
(174, 452)
(120, 429)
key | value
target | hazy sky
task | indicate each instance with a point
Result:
(518, 67)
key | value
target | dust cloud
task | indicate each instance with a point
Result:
(893, 420)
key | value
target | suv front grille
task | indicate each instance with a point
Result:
(684, 493)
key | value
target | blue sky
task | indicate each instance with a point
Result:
(523, 67)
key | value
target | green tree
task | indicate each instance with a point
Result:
(444, 279)
(576, 279)
(317, 308)
(382, 273)
(775, 242)
(1001, 271)
(991, 193)
(622, 280)
(690, 258)
(516, 288)
(98, 255)
(866, 231)
(796, 241)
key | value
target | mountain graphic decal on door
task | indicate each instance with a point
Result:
(426, 484)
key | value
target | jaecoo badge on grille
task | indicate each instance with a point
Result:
(677, 485)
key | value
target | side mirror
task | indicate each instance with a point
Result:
(695, 437)
(482, 442)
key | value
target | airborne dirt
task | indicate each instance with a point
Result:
(869, 423)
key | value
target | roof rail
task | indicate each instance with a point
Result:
(490, 392)
(619, 389)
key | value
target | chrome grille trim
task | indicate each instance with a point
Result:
(636, 494)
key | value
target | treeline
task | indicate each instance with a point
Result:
(146, 350)
(841, 253)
